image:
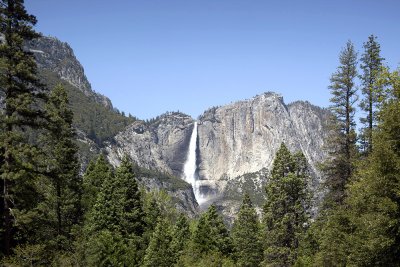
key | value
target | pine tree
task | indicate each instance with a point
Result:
(159, 252)
(285, 211)
(119, 204)
(374, 199)
(342, 149)
(371, 65)
(96, 173)
(180, 236)
(245, 234)
(333, 223)
(211, 233)
(119, 210)
(22, 94)
(61, 207)
(153, 214)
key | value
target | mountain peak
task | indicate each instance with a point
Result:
(56, 56)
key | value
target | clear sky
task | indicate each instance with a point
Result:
(152, 56)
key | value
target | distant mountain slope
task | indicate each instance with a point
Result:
(58, 57)
(94, 113)
(96, 121)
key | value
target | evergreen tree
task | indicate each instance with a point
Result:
(286, 208)
(333, 222)
(22, 94)
(119, 210)
(245, 234)
(374, 199)
(371, 65)
(61, 207)
(211, 233)
(153, 214)
(96, 173)
(340, 165)
(180, 236)
(119, 204)
(106, 248)
(333, 240)
(159, 252)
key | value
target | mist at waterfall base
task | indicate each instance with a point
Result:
(189, 169)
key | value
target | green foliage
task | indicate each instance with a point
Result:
(364, 229)
(339, 167)
(247, 248)
(153, 214)
(209, 259)
(96, 173)
(97, 121)
(371, 66)
(180, 236)
(160, 252)
(64, 197)
(286, 214)
(118, 210)
(27, 255)
(119, 206)
(333, 242)
(211, 234)
(374, 198)
(106, 248)
(19, 155)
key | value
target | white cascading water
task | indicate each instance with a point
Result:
(189, 169)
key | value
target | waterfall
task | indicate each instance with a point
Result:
(189, 169)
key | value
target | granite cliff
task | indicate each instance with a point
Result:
(236, 144)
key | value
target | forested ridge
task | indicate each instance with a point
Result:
(51, 215)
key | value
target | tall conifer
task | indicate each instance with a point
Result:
(286, 215)
(118, 211)
(180, 236)
(96, 173)
(22, 94)
(160, 252)
(211, 233)
(62, 203)
(374, 198)
(371, 63)
(245, 234)
(340, 165)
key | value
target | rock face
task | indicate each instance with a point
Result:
(243, 137)
(236, 145)
(56, 56)
(161, 144)
(182, 195)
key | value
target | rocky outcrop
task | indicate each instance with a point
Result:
(182, 195)
(243, 137)
(53, 55)
(160, 144)
(237, 144)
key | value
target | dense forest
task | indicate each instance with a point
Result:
(51, 215)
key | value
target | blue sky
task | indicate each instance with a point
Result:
(152, 56)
